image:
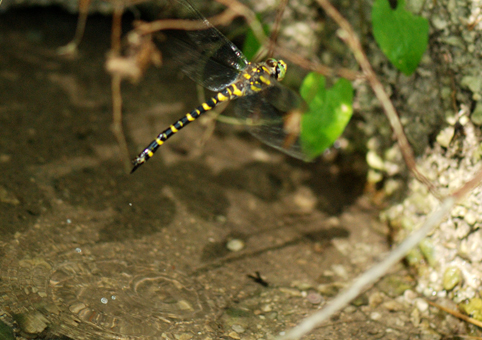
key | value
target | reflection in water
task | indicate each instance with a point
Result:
(97, 292)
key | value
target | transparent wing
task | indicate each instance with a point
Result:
(273, 116)
(206, 56)
(204, 69)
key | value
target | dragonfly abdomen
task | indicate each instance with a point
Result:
(231, 92)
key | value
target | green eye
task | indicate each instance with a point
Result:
(281, 69)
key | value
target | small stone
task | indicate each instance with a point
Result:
(394, 285)
(415, 317)
(235, 245)
(445, 136)
(473, 308)
(314, 298)
(4, 158)
(349, 309)
(463, 229)
(374, 176)
(421, 305)
(8, 197)
(184, 305)
(392, 186)
(340, 270)
(473, 83)
(238, 328)
(266, 308)
(77, 307)
(393, 306)
(305, 199)
(452, 277)
(185, 336)
(290, 291)
(375, 316)
(301, 285)
(375, 299)
(459, 211)
(476, 116)
(234, 335)
(328, 289)
(438, 22)
(470, 218)
(409, 296)
(428, 251)
(392, 168)
(375, 161)
(361, 300)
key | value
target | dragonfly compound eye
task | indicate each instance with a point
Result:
(281, 69)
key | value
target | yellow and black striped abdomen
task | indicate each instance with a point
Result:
(231, 92)
(255, 78)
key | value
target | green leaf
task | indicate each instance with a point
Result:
(402, 36)
(329, 110)
(251, 43)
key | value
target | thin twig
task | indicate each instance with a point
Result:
(370, 276)
(456, 314)
(317, 67)
(468, 186)
(276, 26)
(234, 10)
(376, 272)
(183, 24)
(116, 80)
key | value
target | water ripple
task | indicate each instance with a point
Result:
(99, 292)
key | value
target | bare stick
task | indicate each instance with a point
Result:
(116, 80)
(372, 275)
(376, 272)
(234, 10)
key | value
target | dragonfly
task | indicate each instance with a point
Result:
(213, 61)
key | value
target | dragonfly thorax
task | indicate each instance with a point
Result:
(259, 76)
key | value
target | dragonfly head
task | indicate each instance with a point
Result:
(278, 68)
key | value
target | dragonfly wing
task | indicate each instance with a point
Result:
(206, 55)
(211, 73)
(268, 115)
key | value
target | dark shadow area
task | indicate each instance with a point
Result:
(265, 181)
(337, 184)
